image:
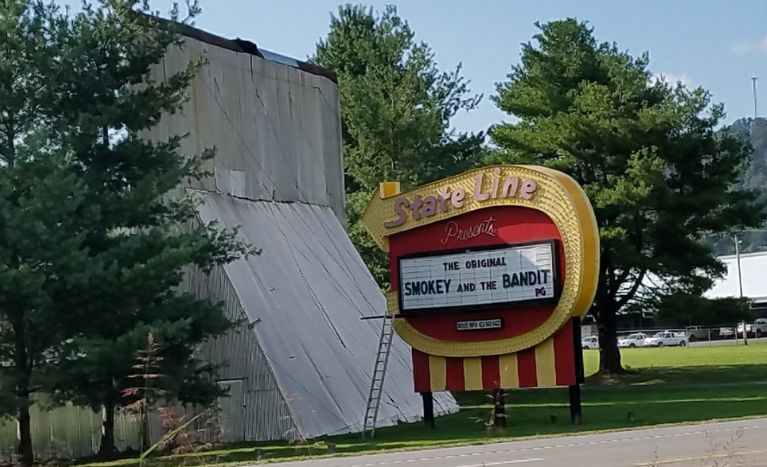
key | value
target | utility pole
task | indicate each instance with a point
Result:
(753, 85)
(737, 259)
(737, 242)
(740, 289)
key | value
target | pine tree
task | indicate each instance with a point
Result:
(95, 235)
(396, 107)
(43, 251)
(647, 154)
(43, 254)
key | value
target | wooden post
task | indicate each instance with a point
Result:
(499, 419)
(428, 409)
(575, 389)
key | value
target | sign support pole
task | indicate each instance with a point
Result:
(428, 409)
(499, 417)
(575, 389)
(575, 404)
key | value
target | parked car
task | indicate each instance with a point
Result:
(727, 333)
(635, 339)
(666, 339)
(590, 342)
(697, 333)
(757, 329)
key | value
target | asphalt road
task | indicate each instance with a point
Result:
(741, 443)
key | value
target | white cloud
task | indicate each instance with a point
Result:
(754, 46)
(672, 78)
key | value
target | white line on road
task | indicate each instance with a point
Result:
(518, 450)
(516, 461)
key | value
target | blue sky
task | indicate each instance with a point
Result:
(715, 44)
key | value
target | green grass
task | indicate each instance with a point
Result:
(754, 353)
(690, 365)
(669, 385)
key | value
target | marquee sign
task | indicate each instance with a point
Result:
(475, 279)
(488, 270)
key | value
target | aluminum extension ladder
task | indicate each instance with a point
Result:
(379, 373)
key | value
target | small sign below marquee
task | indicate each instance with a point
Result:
(491, 277)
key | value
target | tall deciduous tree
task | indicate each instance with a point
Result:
(396, 107)
(95, 235)
(646, 152)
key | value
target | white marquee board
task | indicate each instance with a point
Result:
(505, 275)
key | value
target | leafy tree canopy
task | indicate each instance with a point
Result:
(396, 107)
(647, 153)
(753, 177)
(685, 309)
(95, 237)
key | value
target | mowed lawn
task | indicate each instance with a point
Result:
(722, 356)
(666, 385)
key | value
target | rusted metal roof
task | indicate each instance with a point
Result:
(246, 46)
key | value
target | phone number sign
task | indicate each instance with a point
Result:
(514, 274)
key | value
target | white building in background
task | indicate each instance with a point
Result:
(753, 278)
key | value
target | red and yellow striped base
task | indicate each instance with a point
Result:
(551, 363)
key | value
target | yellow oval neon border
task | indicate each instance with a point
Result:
(559, 197)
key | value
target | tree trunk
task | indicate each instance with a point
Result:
(145, 440)
(107, 446)
(23, 376)
(24, 448)
(609, 354)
